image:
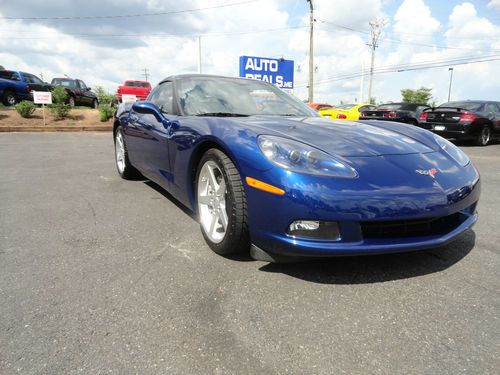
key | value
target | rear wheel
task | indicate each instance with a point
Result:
(125, 169)
(9, 98)
(221, 204)
(484, 136)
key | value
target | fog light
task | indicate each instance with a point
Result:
(321, 230)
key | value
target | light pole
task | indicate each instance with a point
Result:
(451, 79)
(311, 51)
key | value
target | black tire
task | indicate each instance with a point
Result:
(95, 104)
(236, 239)
(71, 101)
(484, 136)
(128, 172)
(9, 98)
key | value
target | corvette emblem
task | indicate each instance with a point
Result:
(427, 172)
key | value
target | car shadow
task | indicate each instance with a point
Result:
(377, 268)
(171, 198)
(356, 269)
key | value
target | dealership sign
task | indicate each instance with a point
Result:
(279, 72)
(42, 97)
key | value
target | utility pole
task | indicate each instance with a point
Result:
(311, 51)
(451, 79)
(361, 86)
(145, 74)
(199, 55)
(375, 34)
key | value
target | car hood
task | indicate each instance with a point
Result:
(346, 138)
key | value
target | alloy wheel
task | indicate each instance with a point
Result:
(212, 201)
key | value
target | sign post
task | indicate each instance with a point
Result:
(279, 72)
(42, 97)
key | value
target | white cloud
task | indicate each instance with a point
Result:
(49, 47)
(494, 4)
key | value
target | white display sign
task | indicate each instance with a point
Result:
(127, 98)
(42, 97)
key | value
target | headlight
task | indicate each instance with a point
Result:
(301, 158)
(458, 155)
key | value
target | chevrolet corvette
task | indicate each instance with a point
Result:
(265, 174)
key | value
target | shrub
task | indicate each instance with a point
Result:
(103, 96)
(25, 108)
(59, 95)
(106, 112)
(59, 109)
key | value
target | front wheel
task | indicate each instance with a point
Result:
(9, 98)
(484, 137)
(71, 101)
(221, 204)
(95, 104)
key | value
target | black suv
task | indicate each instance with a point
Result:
(79, 93)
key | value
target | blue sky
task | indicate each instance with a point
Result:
(107, 51)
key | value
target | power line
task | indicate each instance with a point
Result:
(127, 15)
(160, 35)
(397, 41)
(407, 67)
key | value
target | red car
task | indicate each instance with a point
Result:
(140, 89)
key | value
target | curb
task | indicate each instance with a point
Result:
(103, 128)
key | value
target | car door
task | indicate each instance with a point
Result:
(149, 137)
(85, 97)
(493, 112)
(34, 83)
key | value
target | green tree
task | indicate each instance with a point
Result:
(422, 95)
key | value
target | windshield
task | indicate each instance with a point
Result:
(470, 106)
(235, 96)
(64, 82)
(136, 84)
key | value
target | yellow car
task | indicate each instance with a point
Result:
(346, 111)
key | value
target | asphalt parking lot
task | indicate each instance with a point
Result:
(101, 275)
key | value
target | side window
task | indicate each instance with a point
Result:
(30, 78)
(82, 85)
(163, 97)
(491, 107)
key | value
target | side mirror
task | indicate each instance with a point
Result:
(89, 88)
(148, 108)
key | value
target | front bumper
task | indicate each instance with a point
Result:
(352, 204)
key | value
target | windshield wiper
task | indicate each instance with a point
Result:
(222, 114)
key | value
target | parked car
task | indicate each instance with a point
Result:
(16, 86)
(79, 93)
(346, 111)
(401, 112)
(280, 181)
(476, 120)
(140, 89)
(318, 106)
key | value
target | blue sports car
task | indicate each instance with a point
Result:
(266, 174)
